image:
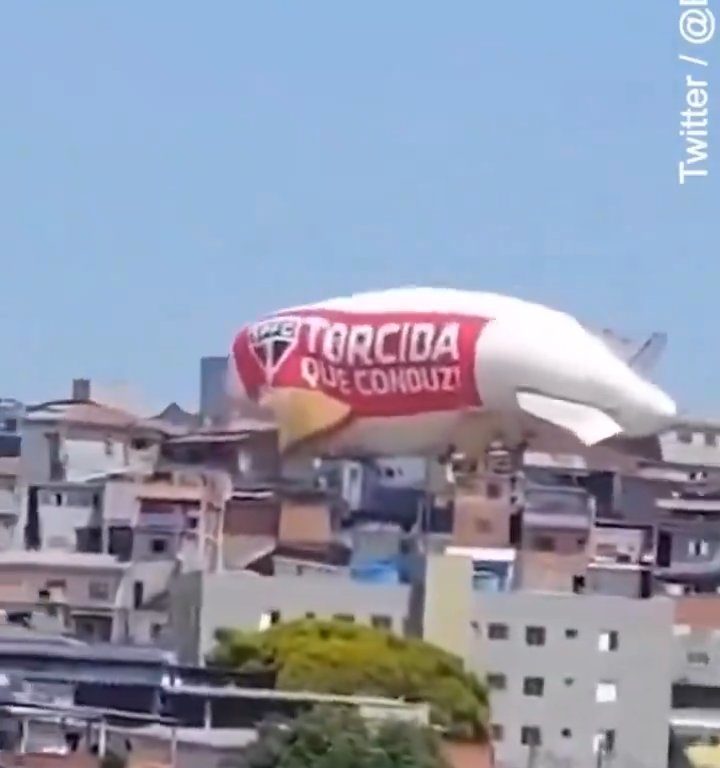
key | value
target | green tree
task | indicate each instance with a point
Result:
(338, 737)
(343, 658)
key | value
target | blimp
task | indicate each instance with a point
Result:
(426, 371)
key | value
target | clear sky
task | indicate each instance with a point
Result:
(172, 169)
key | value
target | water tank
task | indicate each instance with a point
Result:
(376, 572)
(487, 581)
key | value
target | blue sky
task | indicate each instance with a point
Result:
(171, 170)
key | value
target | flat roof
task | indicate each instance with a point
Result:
(218, 738)
(61, 558)
(89, 653)
(689, 505)
(28, 708)
(236, 692)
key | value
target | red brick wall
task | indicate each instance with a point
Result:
(468, 755)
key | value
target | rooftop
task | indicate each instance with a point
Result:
(59, 558)
(93, 414)
(40, 644)
(217, 738)
(170, 492)
(237, 431)
(236, 692)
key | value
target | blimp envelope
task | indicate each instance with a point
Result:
(418, 370)
(319, 369)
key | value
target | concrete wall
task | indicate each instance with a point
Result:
(83, 587)
(570, 663)
(703, 448)
(34, 455)
(202, 604)
(185, 619)
(61, 514)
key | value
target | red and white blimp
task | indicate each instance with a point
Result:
(418, 371)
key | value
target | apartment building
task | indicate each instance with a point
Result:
(696, 442)
(83, 591)
(76, 439)
(141, 531)
(574, 678)
(246, 450)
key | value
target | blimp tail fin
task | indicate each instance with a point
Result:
(590, 425)
(303, 414)
(647, 356)
(641, 358)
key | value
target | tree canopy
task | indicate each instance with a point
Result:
(344, 658)
(338, 737)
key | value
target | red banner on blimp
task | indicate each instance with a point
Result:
(379, 363)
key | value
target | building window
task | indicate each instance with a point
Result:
(608, 641)
(698, 658)
(535, 635)
(566, 733)
(108, 447)
(346, 617)
(684, 436)
(544, 544)
(604, 742)
(138, 594)
(698, 548)
(533, 686)
(381, 622)
(268, 619)
(710, 439)
(606, 692)
(156, 630)
(571, 634)
(497, 681)
(309, 615)
(498, 632)
(482, 525)
(497, 732)
(569, 681)
(158, 546)
(78, 499)
(530, 736)
(98, 590)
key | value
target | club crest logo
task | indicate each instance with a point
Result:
(272, 341)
